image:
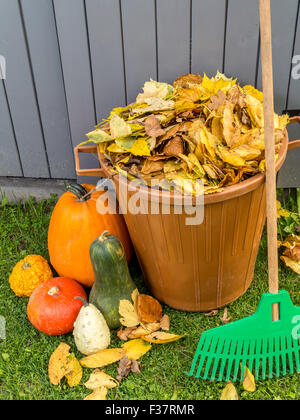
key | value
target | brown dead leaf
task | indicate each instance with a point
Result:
(149, 309)
(212, 313)
(58, 363)
(186, 80)
(100, 379)
(134, 349)
(249, 381)
(174, 147)
(123, 334)
(126, 366)
(229, 393)
(292, 264)
(152, 127)
(217, 100)
(165, 323)
(98, 394)
(129, 317)
(144, 329)
(103, 358)
(293, 253)
(151, 166)
(225, 318)
(162, 337)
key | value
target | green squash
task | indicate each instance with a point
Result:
(112, 278)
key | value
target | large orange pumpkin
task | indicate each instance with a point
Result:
(74, 225)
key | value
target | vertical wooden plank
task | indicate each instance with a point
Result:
(44, 52)
(104, 24)
(242, 38)
(289, 176)
(173, 38)
(208, 27)
(21, 92)
(74, 49)
(283, 28)
(139, 35)
(9, 158)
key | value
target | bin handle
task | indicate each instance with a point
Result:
(296, 143)
(98, 172)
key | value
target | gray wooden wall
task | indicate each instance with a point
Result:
(68, 62)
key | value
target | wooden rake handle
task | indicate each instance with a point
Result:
(267, 79)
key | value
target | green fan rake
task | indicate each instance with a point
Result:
(268, 342)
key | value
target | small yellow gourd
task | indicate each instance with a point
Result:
(91, 331)
(28, 274)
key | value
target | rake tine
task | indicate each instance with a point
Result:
(197, 355)
(296, 352)
(289, 341)
(203, 356)
(265, 358)
(283, 347)
(217, 360)
(252, 354)
(224, 360)
(271, 357)
(210, 357)
(277, 357)
(230, 363)
(237, 360)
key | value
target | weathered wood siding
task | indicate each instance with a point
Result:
(68, 62)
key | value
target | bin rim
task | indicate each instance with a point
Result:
(228, 193)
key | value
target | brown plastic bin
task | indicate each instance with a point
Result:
(199, 268)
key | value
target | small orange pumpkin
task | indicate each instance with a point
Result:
(52, 307)
(74, 225)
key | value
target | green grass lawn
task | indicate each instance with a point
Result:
(25, 353)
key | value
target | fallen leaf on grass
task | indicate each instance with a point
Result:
(162, 337)
(229, 393)
(249, 381)
(134, 349)
(212, 313)
(149, 309)
(144, 329)
(165, 323)
(225, 318)
(98, 395)
(103, 358)
(129, 317)
(126, 366)
(63, 364)
(100, 379)
(294, 265)
(74, 373)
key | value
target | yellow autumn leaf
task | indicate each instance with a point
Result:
(140, 147)
(161, 337)
(230, 157)
(250, 90)
(229, 393)
(119, 128)
(292, 264)
(98, 394)
(249, 381)
(58, 363)
(99, 379)
(103, 358)
(128, 314)
(281, 212)
(75, 372)
(134, 349)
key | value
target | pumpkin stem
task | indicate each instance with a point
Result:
(26, 266)
(54, 291)
(82, 300)
(103, 236)
(78, 190)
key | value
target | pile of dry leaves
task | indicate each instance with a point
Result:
(197, 128)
